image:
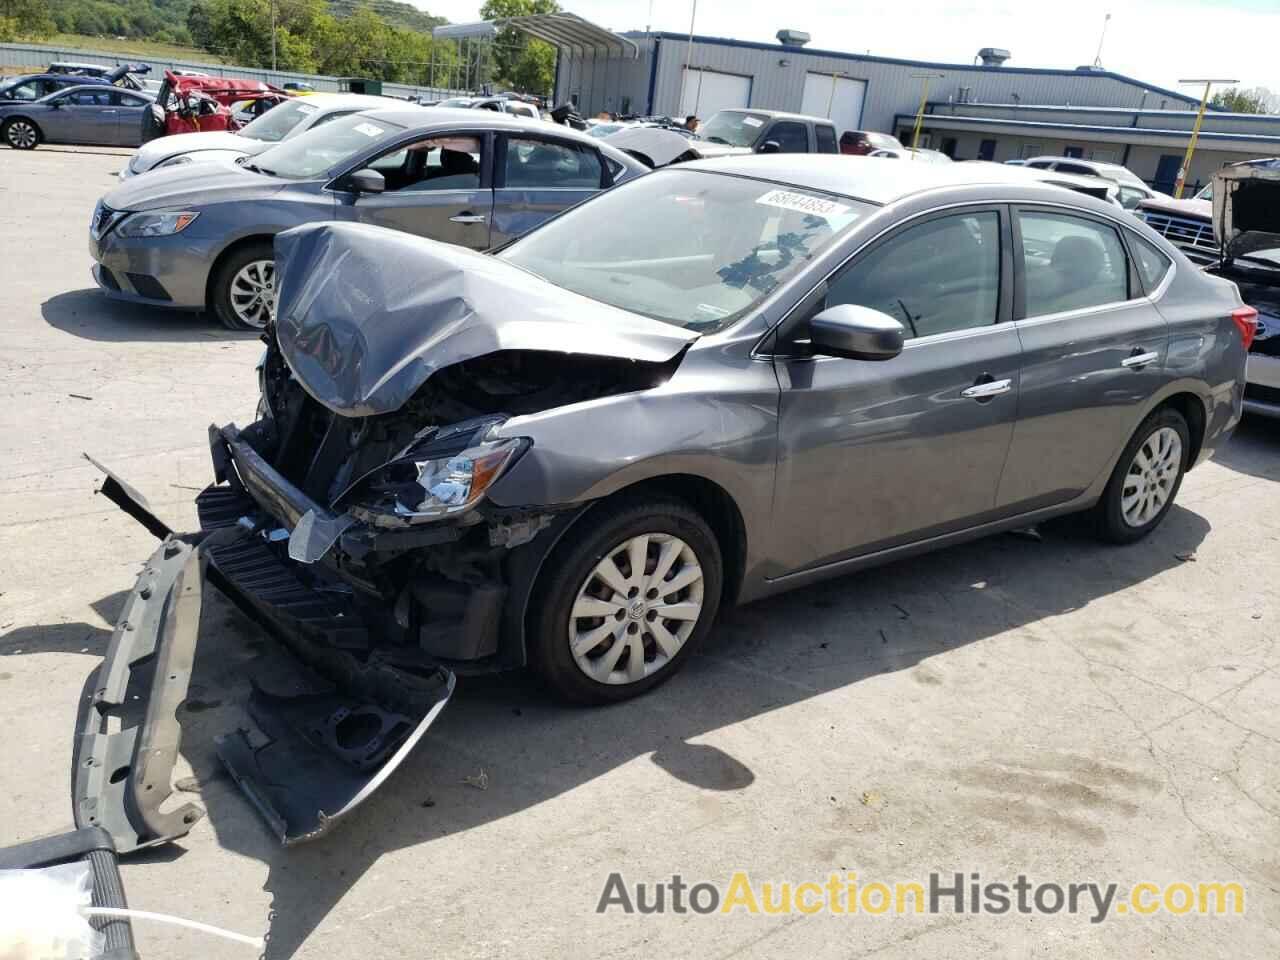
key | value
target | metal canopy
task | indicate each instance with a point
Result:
(566, 32)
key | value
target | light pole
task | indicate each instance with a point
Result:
(688, 60)
(273, 34)
(1195, 134)
(924, 98)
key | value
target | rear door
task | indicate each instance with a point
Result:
(1094, 350)
(536, 177)
(439, 187)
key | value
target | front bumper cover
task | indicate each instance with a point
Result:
(324, 746)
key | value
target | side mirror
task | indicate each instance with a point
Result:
(770, 146)
(367, 181)
(857, 333)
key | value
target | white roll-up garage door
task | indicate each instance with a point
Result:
(706, 91)
(839, 98)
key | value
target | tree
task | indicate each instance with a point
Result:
(25, 18)
(1247, 100)
(518, 60)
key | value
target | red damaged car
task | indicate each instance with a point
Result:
(199, 104)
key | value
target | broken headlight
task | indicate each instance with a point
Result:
(437, 478)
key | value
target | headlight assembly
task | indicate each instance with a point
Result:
(444, 475)
(156, 224)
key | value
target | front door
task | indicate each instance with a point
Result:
(1094, 352)
(437, 187)
(877, 454)
(538, 177)
(81, 116)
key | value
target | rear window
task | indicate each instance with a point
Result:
(1152, 264)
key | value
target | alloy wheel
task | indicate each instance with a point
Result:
(1150, 479)
(21, 135)
(636, 609)
(253, 293)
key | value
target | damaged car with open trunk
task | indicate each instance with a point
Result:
(714, 383)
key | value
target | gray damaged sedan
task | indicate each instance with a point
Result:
(198, 236)
(712, 384)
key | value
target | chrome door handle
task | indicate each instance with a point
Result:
(468, 218)
(1139, 360)
(984, 391)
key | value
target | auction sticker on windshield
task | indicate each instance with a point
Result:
(803, 203)
(753, 121)
(369, 129)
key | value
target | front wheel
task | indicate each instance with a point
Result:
(631, 590)
(243, 294)
(1146, 478)
(21, 134)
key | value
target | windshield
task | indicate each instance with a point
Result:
(274, 125)
(697, 250)
(1205, 194)
(312, 153)
(734, 128)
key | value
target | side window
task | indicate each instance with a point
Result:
(939, 276)
(1075, 168)
(437, 163)
(1070, 263)
(1152, 264)
(89, 98)
(1041, 164)
(790, 137)
(826, 138)
(1130, 197)
(25, 91)
(538, 163)
(122, 99)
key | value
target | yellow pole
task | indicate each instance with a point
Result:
(1191, 147)
(915, 134)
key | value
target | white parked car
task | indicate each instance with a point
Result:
(287, 120)
(1132, 190)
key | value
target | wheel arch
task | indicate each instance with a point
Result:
(223, 255)
(711, 501)
(1192, 408)
(4, 124)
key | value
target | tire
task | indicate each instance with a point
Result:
(21, 134)
(230, 288)
(1120, 518)
(674, 531)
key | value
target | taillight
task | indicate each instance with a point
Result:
(1246, 320)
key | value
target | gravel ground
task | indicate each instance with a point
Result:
(1052, 708)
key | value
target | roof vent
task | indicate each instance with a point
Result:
(793, 38)
(993, 56)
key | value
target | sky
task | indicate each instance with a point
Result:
(1158, 41)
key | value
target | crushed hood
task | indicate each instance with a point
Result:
(192, 185)
(365, 315)
(663, 146)
(1246, 213)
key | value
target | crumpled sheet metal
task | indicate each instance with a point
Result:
(365, 315)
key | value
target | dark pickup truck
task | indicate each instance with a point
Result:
(1233, 229)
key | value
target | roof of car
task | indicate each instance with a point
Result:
(337, 101)
(415, 116)
(775, 114)
(871, 178)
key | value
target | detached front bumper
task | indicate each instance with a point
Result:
(335, 716)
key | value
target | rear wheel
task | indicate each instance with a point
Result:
(1146, 478)
(631, 590)
(21, 134)
(244, 290)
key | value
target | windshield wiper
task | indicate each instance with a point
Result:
(911, 321)
(715, 139)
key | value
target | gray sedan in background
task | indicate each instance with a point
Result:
(199, 236)
(92, 114)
